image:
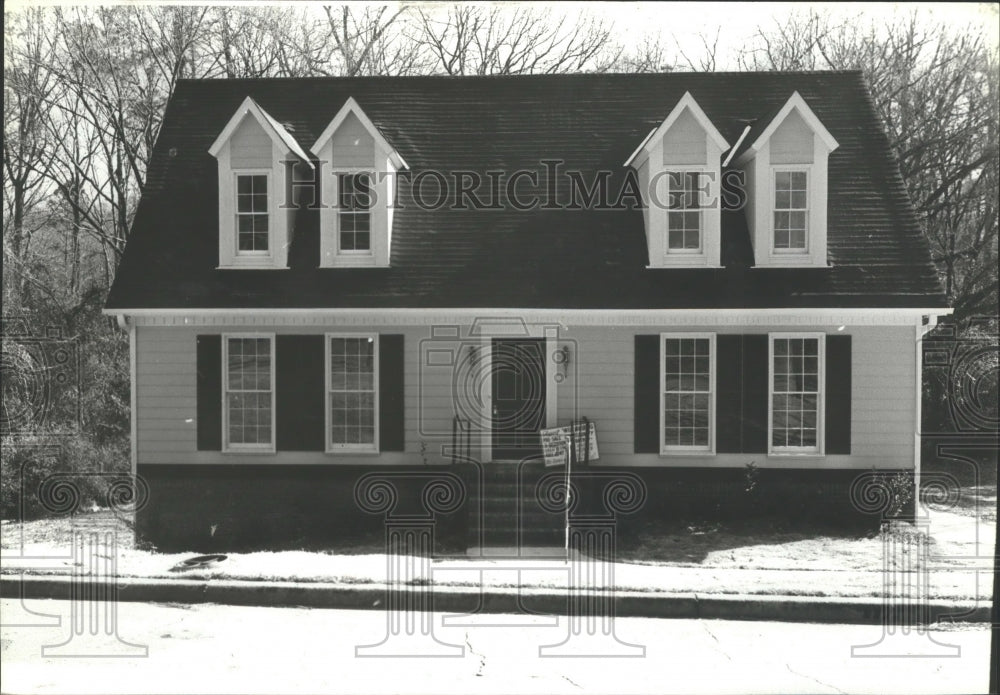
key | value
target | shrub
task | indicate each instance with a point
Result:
(84, 472)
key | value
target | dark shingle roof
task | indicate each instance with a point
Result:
(536, 259)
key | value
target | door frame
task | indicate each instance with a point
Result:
(515, 328)
(538, 351)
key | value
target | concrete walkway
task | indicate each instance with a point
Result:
(490, 598)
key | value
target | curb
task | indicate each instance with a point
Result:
(461, 599)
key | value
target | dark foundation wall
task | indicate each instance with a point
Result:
(838, 498)
(206, 508)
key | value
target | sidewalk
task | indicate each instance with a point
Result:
(499, 599)
(807, 580)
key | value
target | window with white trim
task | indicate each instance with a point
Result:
(796, 409)
(684, 212)
(687, 393)
(354, 217)
(791, 210)
(252, 217)
(352, 392)
(248, 392)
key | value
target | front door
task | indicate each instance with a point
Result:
(518, 397)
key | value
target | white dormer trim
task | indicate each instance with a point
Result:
(642, 146)
(278, 134)
(686, 102)
(656, 157)
(761, 163)
(282, 154)
(796, 103)
(349, 107)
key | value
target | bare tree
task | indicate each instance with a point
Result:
(936, 92)
(483, 40)
(27, 154)
(706, 60)
(650, 55)
(249, 41)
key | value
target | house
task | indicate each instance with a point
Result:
(329, 277)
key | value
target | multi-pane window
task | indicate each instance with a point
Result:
(791, 207)
(796, 367)
(251, 214)
(352, 385)
(354, 213)
(688, 386)
(684, 215)
(249, 391)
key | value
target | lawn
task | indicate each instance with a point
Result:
(755, 558)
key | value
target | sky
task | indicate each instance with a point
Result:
(737, 21)
(683, 22)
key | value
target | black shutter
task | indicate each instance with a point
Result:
(756, 373)
(390, 393)
(300, 392)
(838, 394)
(209, 392)
(646, 413)
(729, 394)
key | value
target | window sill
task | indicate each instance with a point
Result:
(795, 455)
(251, 266)
(686, 264)
(252, 452)
(675, 453)
(352, 452)
(791, 261)
(335, 266)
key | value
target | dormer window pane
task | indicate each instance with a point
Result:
(791, 208)
(354, 215)
(684, 219)
(251, 214)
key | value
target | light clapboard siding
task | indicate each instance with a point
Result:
(599, 385)
(250, 147)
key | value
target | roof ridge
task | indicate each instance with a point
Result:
(536, 76)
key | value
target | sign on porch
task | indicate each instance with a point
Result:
(556, 443)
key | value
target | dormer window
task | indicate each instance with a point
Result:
(252, 217)
(256, 156)
(684, 212)
(791, 210)
(358, 170)
(786, 175)
(679, 174)
(354, 214)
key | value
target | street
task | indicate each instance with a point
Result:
(213, 648)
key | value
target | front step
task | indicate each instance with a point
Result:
(505, 515)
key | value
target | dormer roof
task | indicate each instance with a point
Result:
(351, 106)
(592, 258)
(278, 133)
(769, 126)
(686, 102)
